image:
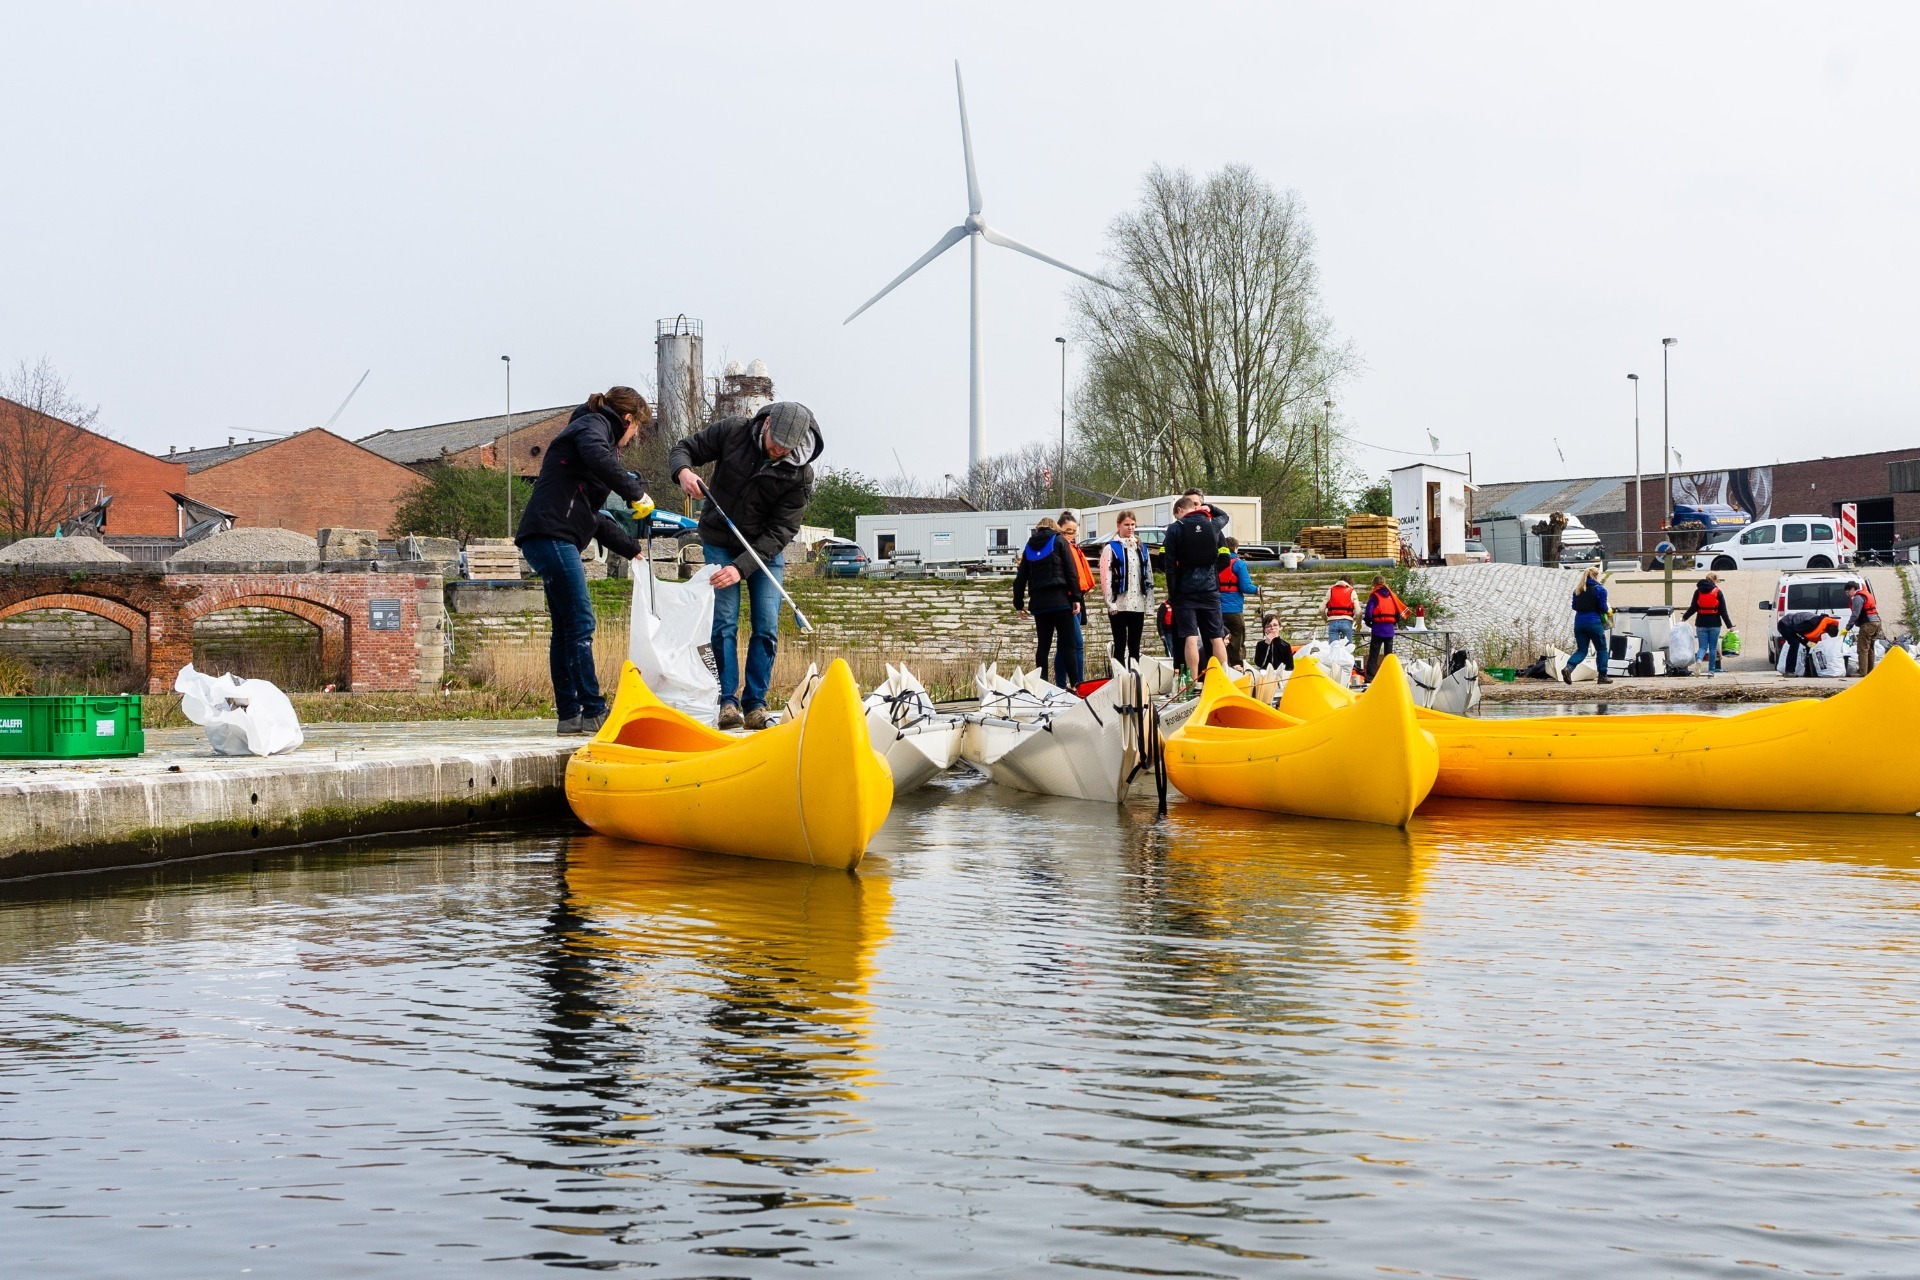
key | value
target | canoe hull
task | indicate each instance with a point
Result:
(810, 790)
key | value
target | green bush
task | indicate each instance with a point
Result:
(460, 503)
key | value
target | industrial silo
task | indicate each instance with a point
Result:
(677, 376)
(743, 392)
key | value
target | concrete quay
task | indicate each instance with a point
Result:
(180, 800)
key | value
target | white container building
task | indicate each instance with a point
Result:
(947, 536)
(1244, 515)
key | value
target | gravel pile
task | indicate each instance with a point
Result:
(241, 546)
(60, 551)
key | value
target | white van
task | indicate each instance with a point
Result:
(1511, 540)
(1783, 542)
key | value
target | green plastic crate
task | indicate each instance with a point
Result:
(71, 728)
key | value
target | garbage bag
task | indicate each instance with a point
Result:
(1830, 658)
(1730, 643)
(241, 717)
(1335, 657)
(669, 623)
(1853, 656)
(1683, 648)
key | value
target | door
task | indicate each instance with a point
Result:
(1876, 524)
(1758, 547)
(883, 544)
(1433, 520)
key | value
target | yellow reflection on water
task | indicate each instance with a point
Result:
(778, 958)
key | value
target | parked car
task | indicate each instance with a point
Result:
(1477, 552)
(1153, 537)
(841, 559)
(1783, 542)
(1822, 592)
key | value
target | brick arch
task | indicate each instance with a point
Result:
(115, 611)
(336, 633)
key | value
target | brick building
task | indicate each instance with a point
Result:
(85, 462)
(474, 442)
(306, 482)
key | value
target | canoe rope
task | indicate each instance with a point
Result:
(1144, 718)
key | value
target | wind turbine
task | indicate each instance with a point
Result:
(973, 230)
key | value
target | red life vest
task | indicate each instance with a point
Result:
(1873, 606)
(1229, 580)
(1387, 607)
(1340, 601)
(1709, 600)
(1825, 627)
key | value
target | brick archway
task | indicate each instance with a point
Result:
(336, 633)
(113, 611)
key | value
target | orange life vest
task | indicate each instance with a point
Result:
(1873, 606)
(1080, 568)
(1229, 580)
(1825, 627)
(1388, 607)
(1340, 601)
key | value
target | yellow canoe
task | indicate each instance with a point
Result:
(809, 790)
(1850, 753)
(1368, 761)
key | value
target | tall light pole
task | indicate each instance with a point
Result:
(509, 459)
(1319, 471)
(1639, 504)
(1666, 434)
(1063, 422)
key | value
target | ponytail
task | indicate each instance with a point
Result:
(620, 401)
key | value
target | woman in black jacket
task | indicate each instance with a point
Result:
(581, 467)
(1048, 573)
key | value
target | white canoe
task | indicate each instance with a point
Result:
(1060, 745)
(915, 739)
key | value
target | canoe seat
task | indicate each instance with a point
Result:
(1247, 715)
(661, 729)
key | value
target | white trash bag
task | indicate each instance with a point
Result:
(241, 717)
(1683, 648)
(1830, 658)
(1334, 656)
(668, 624)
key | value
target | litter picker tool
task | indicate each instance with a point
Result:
(799, 617)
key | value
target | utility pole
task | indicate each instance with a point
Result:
(508, 466)
(1063, 422)
(1666, 438)
(1639, 502)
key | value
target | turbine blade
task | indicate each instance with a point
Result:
(947, 241)
(966, 143)
(1008, 242)
(344, 403)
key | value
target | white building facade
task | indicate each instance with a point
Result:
(1431, 505)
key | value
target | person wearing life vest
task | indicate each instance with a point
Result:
(1126, 585)
(1865, 620)
(1046, 579)
(1340, 609)
(1384, 612)
(1590, 627)
(1193, 583)
(1710, 605)
(1069, 525)
(1799, 631)
(1236, 584)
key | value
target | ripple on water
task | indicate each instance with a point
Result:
(1510, 1041)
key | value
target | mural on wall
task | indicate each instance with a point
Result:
(1751, 490)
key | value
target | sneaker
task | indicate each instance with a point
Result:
(568, 728)
(1604, 680)
(729, 716)
(590, 725)
(1566, 673)
(757, 719)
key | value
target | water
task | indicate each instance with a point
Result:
(1032, 1035)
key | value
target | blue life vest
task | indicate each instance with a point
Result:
(1119, 550)
(1042, 553)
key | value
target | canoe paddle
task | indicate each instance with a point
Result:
(798, 616)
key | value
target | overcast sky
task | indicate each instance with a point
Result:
(216, 216)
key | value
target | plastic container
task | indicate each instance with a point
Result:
(71, 728)
(1505, 675)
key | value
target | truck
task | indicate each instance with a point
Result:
(1511, 540)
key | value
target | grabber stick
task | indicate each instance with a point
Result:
(798, 616)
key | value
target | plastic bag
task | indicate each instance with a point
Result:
(241, 717)
(1830, 658)
(1336, 658)
(1683, 648)
(669, 623)
(1730, 643)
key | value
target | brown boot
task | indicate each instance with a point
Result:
(757, 719)
(729, 716)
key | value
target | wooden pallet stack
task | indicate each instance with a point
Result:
(494, 560)
(1372, 538)
(1327, 541)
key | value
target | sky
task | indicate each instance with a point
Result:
(219, 215)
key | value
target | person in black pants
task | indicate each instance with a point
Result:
(1193, 584)
(1048, 579)
(1273, 649)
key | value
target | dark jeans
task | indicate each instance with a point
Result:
(1799, 652)
(576, 685)
(1378, 647)
(763, 612)
(1236, 624)
(1590, 631)
(1054, 630)
(1126, 635)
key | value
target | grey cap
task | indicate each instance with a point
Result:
(791, 421)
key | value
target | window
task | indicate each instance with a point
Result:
(1760, 535)
(997, 538)
(1793, 533)
(1823, 533)
(883, 543)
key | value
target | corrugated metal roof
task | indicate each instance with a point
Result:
(925, 506)
(1575, 497)
(201, 459)
(408, 445)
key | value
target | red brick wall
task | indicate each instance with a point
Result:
(139, 482)
(307, 482)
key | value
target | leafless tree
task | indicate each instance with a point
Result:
(49, 452)
(1210, 362)
(1020, 478)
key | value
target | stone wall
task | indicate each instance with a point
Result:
(65, 638)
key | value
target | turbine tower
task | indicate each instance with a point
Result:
(973, 231)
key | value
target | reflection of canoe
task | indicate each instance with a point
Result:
(915, 739)
(810, 790)
(1795, 757)
(1368, 761)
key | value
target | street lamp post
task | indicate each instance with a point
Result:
(1639, 504)
(508, 464)
(1063, 422)
(1666, 436)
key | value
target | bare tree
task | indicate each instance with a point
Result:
(1210, 362)
(49, 452)
(1018, 479)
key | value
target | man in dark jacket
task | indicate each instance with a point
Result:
(1193, 547)
(762, 478)
(581, 467)
(1799, 631)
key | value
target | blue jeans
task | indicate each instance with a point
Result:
(763, 609)
(1589, 630)
(1078, 667)
(576, 684)
(1339, 629)
(1710, 647)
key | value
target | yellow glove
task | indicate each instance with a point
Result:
(643, 506)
